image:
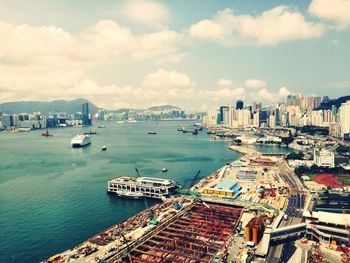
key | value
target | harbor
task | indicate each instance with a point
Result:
(237, 196)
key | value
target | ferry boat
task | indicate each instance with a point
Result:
(140, 187)
(80, 140)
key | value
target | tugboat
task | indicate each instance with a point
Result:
(164, 170)
(46, 133)
(104, 148)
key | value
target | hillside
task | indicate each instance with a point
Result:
(71, 106)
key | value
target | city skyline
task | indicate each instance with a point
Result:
(116, 56)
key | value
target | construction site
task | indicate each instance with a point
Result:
(199, 235)
(178, 230)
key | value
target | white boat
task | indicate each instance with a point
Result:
(164, 170)
(129, 194)
(80, 140)
(120, 122)
(104, 148)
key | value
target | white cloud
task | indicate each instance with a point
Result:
(146, 12)
(283, 92)
(337, 11)
(265, 95)
(167, 79)
(270, 28)
(255, 83)
(104, 41)
(225, 82)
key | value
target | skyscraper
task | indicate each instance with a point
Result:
(239, 104)
(344, 116)
(85, 114)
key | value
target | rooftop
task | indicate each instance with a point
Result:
(226, 185)
(334, 203)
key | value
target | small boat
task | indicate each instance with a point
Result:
(104, 148)
(90, 133)
(46, 133)
(195, 132)
(164, 170)
(154, 133)
(101, 126)
(129, 194)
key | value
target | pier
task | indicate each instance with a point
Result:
(140, 187)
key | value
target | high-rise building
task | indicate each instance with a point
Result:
(224, 114)
(291, 100)
(312, 102)
(85, 114)
(101, 115)
(344, 119)
(263, 117)
(239, 104)
(7, 120)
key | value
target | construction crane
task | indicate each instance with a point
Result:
(137, 172)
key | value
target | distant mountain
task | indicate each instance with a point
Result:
(71, 106)
(153, 108)
(337, 102)
(164, 107)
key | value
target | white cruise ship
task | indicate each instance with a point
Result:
(80, 140)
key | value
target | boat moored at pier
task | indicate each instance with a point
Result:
(140, 187)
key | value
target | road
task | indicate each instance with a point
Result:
(281, 253)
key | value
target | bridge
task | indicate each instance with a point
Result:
(275, 235)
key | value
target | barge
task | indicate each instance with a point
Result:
(141, 187)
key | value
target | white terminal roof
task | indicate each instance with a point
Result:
(331, 218)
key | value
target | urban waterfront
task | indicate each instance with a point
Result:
(53, 196)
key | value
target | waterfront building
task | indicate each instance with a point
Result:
(85, 114)
(323, 158)
(243, 118)
(7, 120)
(256, 119)
(225, 189)
(212, 119)
(101, 115)
(344, 119)
(139, 187)
(263, 117)
(328, 219)
(272, 121)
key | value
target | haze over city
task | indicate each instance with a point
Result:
(175, 131)
(141, 53)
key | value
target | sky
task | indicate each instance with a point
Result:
(195, 54)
